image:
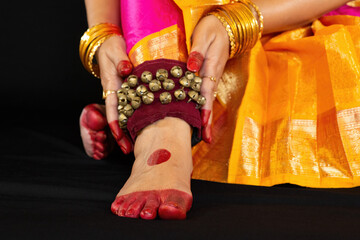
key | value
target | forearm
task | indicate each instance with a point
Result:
(280, 15)
(101, 11)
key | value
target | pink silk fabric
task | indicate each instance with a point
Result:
(142, 18)
(345, 10)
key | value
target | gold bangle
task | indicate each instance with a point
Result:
(228, 29)
(91, 40)
(259, 15)
(355, 3)
(243, 27)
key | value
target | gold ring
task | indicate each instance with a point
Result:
(106, 93)
(212, 78)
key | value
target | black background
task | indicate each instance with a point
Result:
(49, 188)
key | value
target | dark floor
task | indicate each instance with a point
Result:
(49, 189)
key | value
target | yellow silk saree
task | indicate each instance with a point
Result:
(288, 111)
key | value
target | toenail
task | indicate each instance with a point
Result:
(148, 212)
(121, 213)
(130, 212)
(173, 205)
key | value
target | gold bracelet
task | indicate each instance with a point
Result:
(229, 30)
(259, 15)
(241, 24)
(91, 40)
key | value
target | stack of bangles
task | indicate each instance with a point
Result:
(243, 27)
(244, 24)
(91, 40)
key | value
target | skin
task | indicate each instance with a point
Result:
(164, 189)
(209, 43)
(161, 189)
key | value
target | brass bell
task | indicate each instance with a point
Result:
(132, 80)
(148, 98)
(162, 74)
(128, 110)
(121, 91)
(146, 77)
(195, 86)
(168, 84)
(125, 86)
(189, 75)
(185, 82)
(141, 90)
(155, 85)
(193, 95)
(131, 93)
(180, 94)
(176, 71)
(136, 102)
(120, 108)
(197, 80)
(122, 120)
(122, 99)
(165, 98)
(201, 100)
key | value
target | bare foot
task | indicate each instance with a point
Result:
(160, 179)
(95, 135)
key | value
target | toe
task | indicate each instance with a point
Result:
(172, 210)
(134, 209)
(99, 147)
(116, 204)
(123, 207)
(100, 136)
(94, 117)
(174, 204)
(150, 208)
(98, 155)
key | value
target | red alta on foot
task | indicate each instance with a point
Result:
(92, 127)
(167, 204)
(158, 157)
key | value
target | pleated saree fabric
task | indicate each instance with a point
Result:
(288, 111)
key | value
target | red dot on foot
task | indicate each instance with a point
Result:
(158, 157)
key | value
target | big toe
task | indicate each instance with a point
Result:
(175, 204)
(93, 117)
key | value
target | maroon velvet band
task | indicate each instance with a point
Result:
(148, 114)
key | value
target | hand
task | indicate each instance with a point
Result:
(208, 56)
(114, 65)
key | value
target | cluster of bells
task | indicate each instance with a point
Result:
(131, 95)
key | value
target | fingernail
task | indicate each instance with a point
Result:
(195, 61)
(124, 68)
(125, 145)
(122, 140)
(205, 116)
(206, 134)
(116, 130)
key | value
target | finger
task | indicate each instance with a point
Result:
(113, 55)
(207, 90)
(121, 60)
(211, 71)
(201, 40)
(195, 61)
(124, 68)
